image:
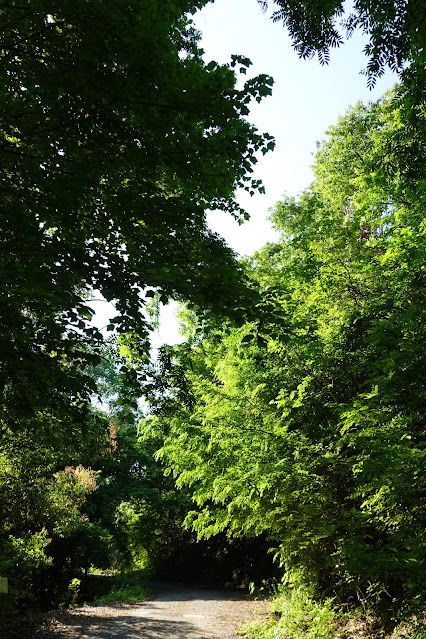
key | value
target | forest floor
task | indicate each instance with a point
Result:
(174, 611)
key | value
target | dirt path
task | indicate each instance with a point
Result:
(173, 612)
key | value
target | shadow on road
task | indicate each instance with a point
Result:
(173, 611)
(95, 626)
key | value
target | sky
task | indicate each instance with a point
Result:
(307, 98)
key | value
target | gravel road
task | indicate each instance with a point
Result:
(173, 612)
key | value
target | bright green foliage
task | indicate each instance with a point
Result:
(308, 424)
(396, 30)
(122, 593)
(298, 616)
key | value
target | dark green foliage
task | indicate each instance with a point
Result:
(135, 502)
(139, 507)
(115, 137)
(46, 537)
(396, 30)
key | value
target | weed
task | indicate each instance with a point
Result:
(122, 593)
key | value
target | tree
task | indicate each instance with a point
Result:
(135, 502)
(396, 30)
(308, 423)
(116, 138)
(46, 537)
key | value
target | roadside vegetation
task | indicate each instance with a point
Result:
(298, 614)
(122, 594)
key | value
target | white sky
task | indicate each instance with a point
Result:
(307, 98)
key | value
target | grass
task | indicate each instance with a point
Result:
(295, 615)
(122, 593)
(298, 615)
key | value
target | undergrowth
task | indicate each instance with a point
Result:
(121, 593)
(296, 614)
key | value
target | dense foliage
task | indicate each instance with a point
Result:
(138, 506)
(295, 409)
(308, 424)
(116, 137)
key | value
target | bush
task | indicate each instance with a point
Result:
(296, 615)
(123, 593)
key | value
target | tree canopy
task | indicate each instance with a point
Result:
(116, 139)
(308, 424)
(295, 409)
